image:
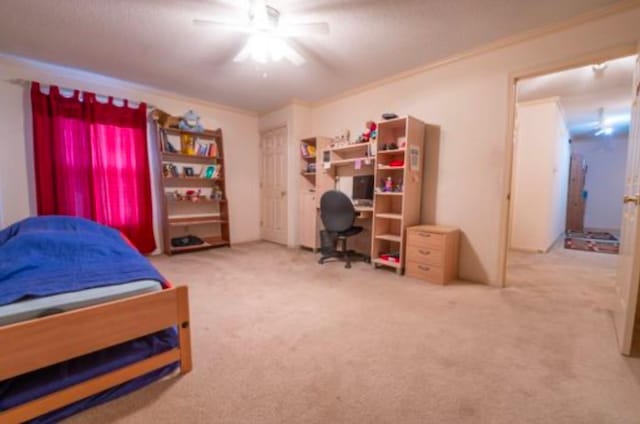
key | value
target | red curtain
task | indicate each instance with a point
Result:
(91, 160)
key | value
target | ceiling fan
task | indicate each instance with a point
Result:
(603, 126)
(267, 40)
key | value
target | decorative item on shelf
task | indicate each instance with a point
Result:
(194, 195)
(166, 170)
(388, 116)
(184, 241)
(391, 257)
(370, 133)
(311, 167)
(398, 188)
(342, 138)
(389, 146)
(208, 172)
(164, 119)
(388, 185)
(187, 144)
(191, 122)
(216, 193)
(169, 170)
(402, 142)
(178, 195)
(188, 171)
(396, 163)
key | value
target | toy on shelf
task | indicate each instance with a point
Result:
(370, 133)
(191, 122)
(391, 257)
(396, 163)
(388, 186)
(194, 195)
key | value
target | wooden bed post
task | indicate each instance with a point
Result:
(184, 330)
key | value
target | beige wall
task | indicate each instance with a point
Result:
(540, 176)
(240, 131)
(468, 99)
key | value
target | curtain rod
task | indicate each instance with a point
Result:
(27, 83)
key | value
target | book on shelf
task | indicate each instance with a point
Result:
(207, 149)
(307, 150)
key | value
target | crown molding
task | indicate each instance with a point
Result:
(56, 73)
(594, 15)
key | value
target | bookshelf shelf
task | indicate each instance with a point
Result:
(181, 158)
(390, 237)
(183, 179)
(389, 215)
(389, 194)
(354, 146)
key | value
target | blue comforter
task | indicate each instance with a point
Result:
(49, 255)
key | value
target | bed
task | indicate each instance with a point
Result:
(84, 319)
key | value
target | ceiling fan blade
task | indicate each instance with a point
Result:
(231, 26)
(236, 4)
(300, 30)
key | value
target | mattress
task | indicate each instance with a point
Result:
(49, 305)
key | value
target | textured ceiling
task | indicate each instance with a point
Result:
(153, 42)
(582, 92)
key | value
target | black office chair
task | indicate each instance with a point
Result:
(338, 215)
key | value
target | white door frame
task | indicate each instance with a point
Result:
(628, 49)
(282, 127)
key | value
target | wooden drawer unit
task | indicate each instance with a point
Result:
(432, 253)
(424, 238)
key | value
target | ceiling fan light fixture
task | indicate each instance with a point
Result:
(599, 68)
(262, 47)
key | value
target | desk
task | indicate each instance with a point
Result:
(364, 212)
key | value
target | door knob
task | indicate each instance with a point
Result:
(631, 199)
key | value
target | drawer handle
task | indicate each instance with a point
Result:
(424, 252)
(424, 268)
(424, 234)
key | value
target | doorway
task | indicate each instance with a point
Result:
(554, 244)
(273, 185)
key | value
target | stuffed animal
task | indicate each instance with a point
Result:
(191, 122)
(370, 132)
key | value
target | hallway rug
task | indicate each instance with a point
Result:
(592, 241)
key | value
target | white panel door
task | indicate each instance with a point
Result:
(273, 186)
(628, 277)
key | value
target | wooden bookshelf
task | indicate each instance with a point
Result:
(204, 215)
(310, 179)
(396, 210)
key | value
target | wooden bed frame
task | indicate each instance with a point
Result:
(37, 343)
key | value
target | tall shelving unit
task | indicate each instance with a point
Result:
(311, 182)
(205, 215)
(394, 211)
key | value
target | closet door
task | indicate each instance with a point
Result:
(273, 186)
(576, 204)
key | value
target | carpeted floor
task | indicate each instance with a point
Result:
(280, 339)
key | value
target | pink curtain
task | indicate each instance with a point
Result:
(91, 160)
